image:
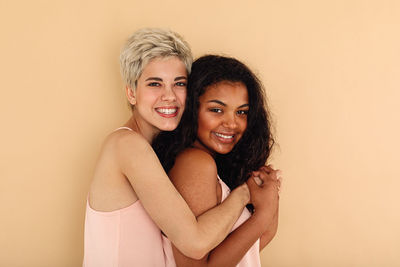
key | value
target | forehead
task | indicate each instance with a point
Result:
(164, 67)
(226, 91)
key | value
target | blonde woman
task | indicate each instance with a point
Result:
(131, 198)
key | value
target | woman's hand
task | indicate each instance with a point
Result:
(264, 186)
(244, 191)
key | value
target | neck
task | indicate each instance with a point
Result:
(198, 144)
(147, 131)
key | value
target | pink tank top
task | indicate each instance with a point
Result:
(250, 259)
(122, 238)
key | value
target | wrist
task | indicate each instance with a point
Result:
(262, 218)
(243, 194)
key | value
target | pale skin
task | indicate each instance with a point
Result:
(222, 111)
(128, 170)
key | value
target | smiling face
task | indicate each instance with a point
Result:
(160, 96)
(222, 117)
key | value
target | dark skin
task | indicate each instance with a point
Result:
(222, 120)
(204, 193)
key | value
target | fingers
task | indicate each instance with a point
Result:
(268, 168)
(258, 180)
(267, 174)
(263, 172)
(275, 176)
(252, 183)
(279, 180)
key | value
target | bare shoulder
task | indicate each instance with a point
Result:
(195, 177)
(125, 141)
(110, 189)
(197, 157)
(129, 152)
(194, 170)
(194, 161)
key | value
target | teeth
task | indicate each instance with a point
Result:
(167, 111)
(223, 136)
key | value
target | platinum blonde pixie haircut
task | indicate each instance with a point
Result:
(147, 44)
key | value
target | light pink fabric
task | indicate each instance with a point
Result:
(122, 238)
(250, 259)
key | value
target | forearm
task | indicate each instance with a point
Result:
(231, 250)
(236, 245)
(196, 237)
(166, 206)
(269, 234)
(216, 223)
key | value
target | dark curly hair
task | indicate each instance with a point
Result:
(252, 150)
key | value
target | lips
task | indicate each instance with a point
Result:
(167, 112)
(224, 137)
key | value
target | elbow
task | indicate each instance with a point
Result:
(196, 251)
(273, 232)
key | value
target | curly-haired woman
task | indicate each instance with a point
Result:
(223, 138)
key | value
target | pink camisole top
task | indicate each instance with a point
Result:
(122, 238)
(250, 259)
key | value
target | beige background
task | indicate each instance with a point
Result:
(332, 72)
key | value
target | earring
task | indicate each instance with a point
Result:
(131, 96)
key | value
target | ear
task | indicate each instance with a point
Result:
(130, 94)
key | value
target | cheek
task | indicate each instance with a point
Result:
(181, 95)
(146, 96)
(203, 122)
(243, 125)
(200, 122)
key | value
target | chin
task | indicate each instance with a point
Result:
(224, 151)
(168, 128)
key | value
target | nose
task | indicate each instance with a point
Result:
(230, 121)
(168, 94)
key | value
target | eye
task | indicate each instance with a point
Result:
(242, 112)
(154, 84)
(216, 110)
(181, 84)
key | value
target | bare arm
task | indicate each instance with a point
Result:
(269, 234)
(272, 228)
(195, 178)
(166, 207)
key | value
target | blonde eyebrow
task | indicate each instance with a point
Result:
(160, 80)
(154, 78)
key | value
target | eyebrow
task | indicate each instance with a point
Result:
(244, 105)
(180, 78)
(216, 101)
(160, 80)
(223, 104)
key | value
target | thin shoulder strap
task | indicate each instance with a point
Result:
(123, 127)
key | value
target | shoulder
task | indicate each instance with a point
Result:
(128, 149)
(194, 167)
(125, 140)
(196, 160)
(195, 177)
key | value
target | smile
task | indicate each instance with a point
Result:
(224, 138)
(167, 112)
